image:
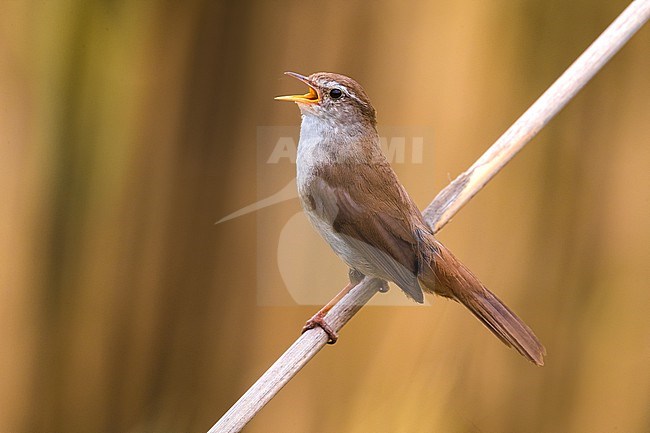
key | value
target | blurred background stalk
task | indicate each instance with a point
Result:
(128, 127)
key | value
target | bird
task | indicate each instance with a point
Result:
(354, 200)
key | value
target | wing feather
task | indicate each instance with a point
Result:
(381, 229)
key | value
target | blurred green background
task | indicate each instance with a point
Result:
(127, 128)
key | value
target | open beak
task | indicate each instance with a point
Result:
(310, 98)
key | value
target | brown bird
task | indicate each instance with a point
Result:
(354, 200)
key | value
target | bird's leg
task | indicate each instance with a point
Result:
(355, 276)
(318, 318)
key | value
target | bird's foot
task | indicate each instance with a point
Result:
(355, 276)
(318, 321)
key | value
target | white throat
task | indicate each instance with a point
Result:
(322, 141)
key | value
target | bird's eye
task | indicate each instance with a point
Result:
(336, 93)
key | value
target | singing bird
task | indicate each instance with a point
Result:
(354, 200)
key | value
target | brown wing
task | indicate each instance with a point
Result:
(382, 228)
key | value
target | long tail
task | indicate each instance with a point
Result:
(453, 280)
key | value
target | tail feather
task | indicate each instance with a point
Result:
(451, 279)
(505, 325)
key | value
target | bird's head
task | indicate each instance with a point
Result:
(334, 98)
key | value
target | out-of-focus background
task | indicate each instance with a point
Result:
(127, 128)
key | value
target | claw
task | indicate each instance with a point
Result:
(319, 322)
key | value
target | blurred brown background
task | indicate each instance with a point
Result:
(127, 128)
